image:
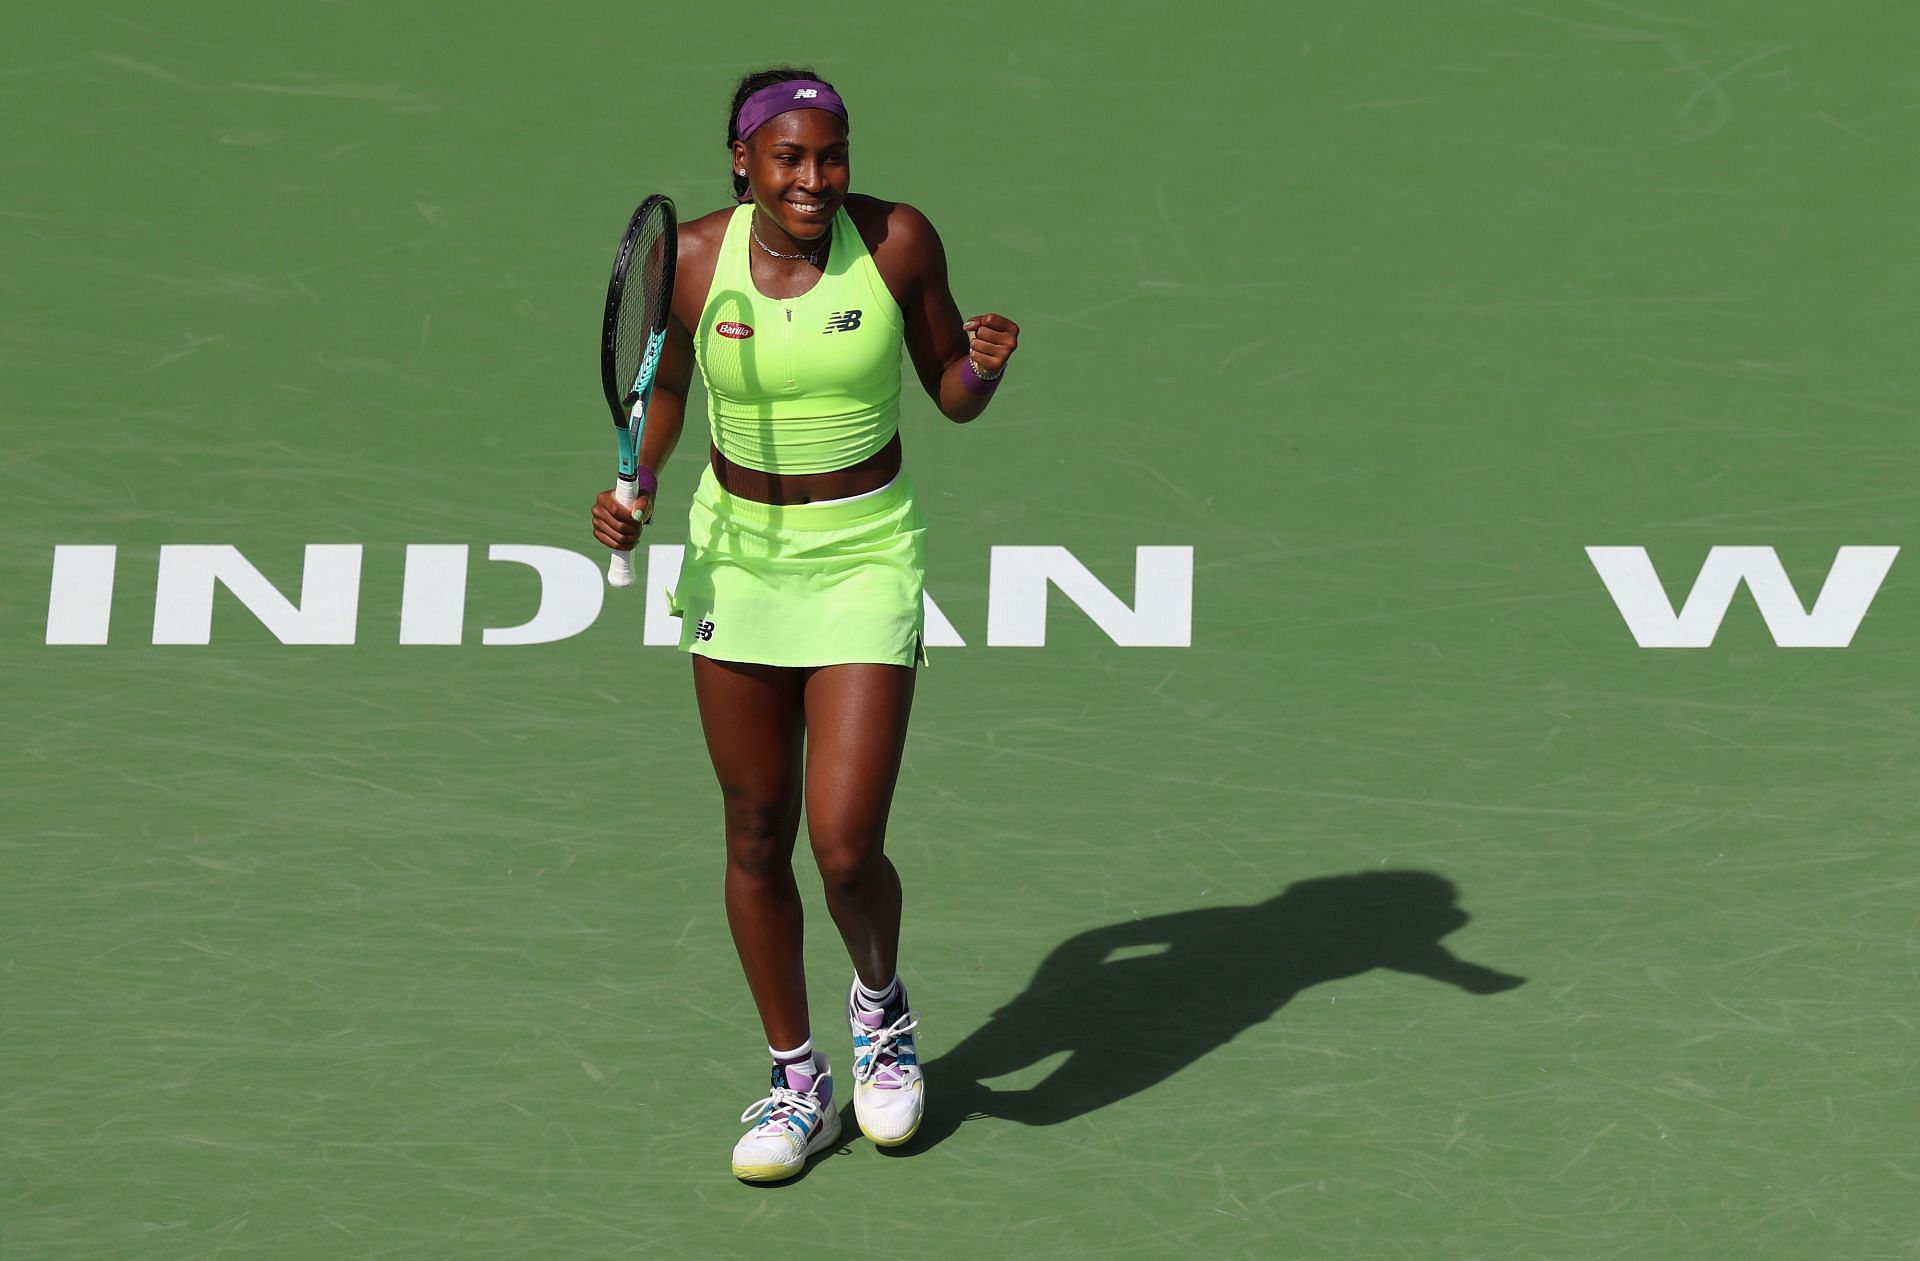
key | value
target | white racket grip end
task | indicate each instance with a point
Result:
(620, 564)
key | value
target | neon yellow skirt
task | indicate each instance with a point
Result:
(805, 584)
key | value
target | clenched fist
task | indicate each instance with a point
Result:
(616, 525)
(991, 339)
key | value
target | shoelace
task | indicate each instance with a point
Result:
(782, 1102)
(882, 1055)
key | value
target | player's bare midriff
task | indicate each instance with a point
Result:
(788, 489)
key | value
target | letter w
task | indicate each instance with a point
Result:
(1843, 601)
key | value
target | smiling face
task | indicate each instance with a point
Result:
(796, 165)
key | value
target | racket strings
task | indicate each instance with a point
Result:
(643, 298)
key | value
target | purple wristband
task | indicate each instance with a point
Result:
(646, 481)
(973, 383)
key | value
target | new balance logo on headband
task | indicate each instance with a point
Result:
(842, 322)
(805, 93)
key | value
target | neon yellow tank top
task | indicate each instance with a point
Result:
(807, 384)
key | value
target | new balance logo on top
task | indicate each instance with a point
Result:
(805, 93)
(842, 322)
(704, 631)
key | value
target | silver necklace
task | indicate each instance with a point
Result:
(812, 256)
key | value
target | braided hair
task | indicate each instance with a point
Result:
(748, 86)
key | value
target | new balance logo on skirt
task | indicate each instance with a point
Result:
(704, 631)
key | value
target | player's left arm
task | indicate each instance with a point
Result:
(938, 340)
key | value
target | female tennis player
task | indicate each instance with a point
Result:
(800, 594)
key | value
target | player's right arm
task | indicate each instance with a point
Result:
(614, 525)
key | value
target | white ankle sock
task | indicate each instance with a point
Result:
(875, 1000)
(801, 1057)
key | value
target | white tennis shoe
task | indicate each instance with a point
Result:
(795, 1120)
(889, 1097)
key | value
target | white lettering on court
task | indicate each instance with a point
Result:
(662, 628)
(939, 632)
(80, 602)
(571, 589)
(433, 595)
(1161, 615)
(329, 594)
(1836, 614)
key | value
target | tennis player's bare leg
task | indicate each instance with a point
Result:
(753, 718)
(856, 730)
(856, 717)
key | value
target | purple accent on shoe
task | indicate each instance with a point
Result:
(781, 98)
(794, 1078)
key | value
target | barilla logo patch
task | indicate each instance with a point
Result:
(739, 332)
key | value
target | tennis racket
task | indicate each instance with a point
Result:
(639, 298)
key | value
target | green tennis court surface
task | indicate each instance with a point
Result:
(1412, 910)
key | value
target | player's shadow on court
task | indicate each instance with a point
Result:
(1133, 1003)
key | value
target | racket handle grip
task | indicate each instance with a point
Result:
(620, 564)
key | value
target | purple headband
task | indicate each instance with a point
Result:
(784, 97)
